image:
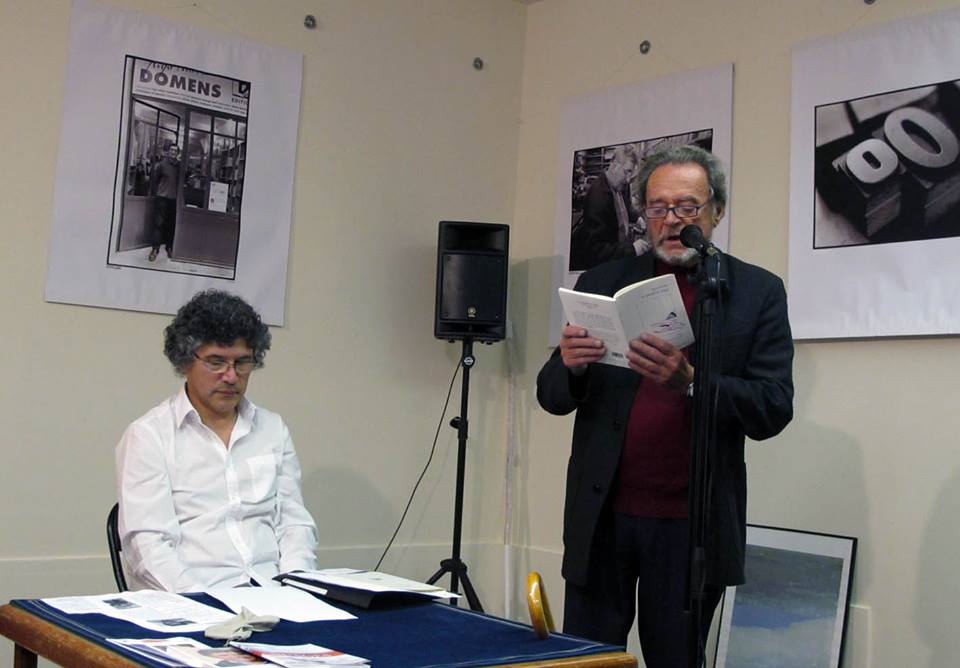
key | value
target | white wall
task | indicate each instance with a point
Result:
(872, 449)
(398, 131)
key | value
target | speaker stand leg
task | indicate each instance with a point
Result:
(455, 566)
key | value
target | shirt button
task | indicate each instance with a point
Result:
(597, 487)
(617, 425)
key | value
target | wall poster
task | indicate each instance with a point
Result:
(176, 165)
(601, 135)
(875, 182)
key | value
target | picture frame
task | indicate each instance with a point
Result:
(792, 610)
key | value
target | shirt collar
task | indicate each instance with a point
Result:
(246, 409)
(182, 408)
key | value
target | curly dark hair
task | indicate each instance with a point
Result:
(213, 316)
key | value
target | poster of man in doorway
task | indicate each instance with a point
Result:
(180, 170)
(176, 165)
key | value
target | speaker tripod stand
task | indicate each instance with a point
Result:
(455, 565)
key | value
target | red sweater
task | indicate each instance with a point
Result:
(654, 472)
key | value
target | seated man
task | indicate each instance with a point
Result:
(209, 483)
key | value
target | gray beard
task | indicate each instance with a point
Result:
(687, 258)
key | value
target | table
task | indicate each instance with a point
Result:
(35, 636)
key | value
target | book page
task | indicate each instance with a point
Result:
(598, 315)
(655, 306)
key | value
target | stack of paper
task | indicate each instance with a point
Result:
(189, 652)
(186, 652)
(300, 656)
(362, 588)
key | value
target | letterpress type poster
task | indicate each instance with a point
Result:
(875, 182)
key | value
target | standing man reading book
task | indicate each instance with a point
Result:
(209, 483)
(625, 517)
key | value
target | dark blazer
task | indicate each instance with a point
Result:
(755, 354)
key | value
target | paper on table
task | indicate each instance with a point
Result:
(181, 651)
(372, 581)
(153, 648)
(199, 655)
(161, 611)
(284, 602)
(300, 656)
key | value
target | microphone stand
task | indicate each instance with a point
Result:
(702, 440)
(454, 565)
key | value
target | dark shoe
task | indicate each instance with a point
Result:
(153, 254)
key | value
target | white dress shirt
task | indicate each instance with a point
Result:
(195, 514)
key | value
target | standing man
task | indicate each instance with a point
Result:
(163, 188)
(606, 230)
(625, 532)
(209, 483)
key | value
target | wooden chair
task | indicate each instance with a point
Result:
(540, 616)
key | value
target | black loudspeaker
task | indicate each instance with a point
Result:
(471, 281)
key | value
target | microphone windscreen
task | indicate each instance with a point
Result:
(691, 236)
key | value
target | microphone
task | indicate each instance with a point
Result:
(691, 236)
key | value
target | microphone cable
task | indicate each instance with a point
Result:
(433, 449)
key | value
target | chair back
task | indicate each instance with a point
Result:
(539, 607)
(113, 543)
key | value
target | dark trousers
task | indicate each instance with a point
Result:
(641, 572)
(164, 222)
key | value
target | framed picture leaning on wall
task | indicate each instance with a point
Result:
(792, 610)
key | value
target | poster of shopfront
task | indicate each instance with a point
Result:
(176, 165)
(180, 170)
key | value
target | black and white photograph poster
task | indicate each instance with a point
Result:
(604, 138)
(875, 182)
(176, 165)
(180, 170)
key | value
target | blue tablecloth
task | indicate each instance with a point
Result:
(429, 635)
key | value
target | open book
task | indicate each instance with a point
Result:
(653, 306)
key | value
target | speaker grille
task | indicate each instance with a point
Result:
(472, 287)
